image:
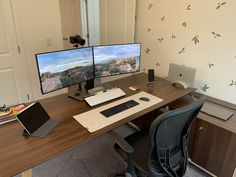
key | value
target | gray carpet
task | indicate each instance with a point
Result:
(96, 158)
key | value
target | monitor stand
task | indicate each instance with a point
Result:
(76, 92)
(85, 89)
(180, 84)
(150, 84)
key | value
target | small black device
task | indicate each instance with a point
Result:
(119, 108)
(89, 84)
(151, 78)
(36, 121)
(77, 40)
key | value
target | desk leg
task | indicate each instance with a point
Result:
(27, 173)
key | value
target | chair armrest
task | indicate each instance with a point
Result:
(134, 126)
(128, 149)
(124, 145)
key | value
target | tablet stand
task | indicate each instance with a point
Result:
(25, 133)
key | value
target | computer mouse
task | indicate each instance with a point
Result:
(144, 99)
(77, 94)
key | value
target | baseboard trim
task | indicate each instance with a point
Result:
(199, 167)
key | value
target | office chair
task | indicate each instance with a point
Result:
(162, 150)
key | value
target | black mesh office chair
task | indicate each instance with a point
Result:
(162, 150)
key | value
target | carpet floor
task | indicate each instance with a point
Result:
(96, 158)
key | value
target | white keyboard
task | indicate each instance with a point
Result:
(105, 96)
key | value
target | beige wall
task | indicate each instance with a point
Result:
(39, 25)
(161, 29)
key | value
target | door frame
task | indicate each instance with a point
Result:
(88, 30)
(84, 21)
(93, 21)
(26, 95)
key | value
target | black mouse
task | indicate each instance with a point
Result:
(77, 94)
(144, 99)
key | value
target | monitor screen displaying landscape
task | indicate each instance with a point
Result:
(116, 59)
(64, 68)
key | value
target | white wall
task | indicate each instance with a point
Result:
(39, 27)
(161, 30)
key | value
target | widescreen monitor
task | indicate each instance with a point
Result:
(65, 68)
(112, 60)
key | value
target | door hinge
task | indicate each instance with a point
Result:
(19, 49)
(88, 36)
(28, 97)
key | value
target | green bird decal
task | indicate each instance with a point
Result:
(211, 65)
(184, 24)
(150, 6)
(189, 7)
(163, 18)
(205, 88)
(232, 83)
(160, 39)
(148, 50)
(195, 39)
(158, 64)
(182, 51)
(220, 4)
(215, 34)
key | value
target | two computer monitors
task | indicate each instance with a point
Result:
(60, 69)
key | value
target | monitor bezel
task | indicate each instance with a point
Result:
(41, 87)
(119, 73)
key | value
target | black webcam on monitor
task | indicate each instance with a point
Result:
(77, 40)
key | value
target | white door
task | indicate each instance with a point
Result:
(117, 21)
(13, 79)
(93, 22)
(70, 20)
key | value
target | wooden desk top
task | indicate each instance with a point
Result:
(19, 153)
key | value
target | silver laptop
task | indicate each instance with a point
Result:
(181, 75)
(36, 120)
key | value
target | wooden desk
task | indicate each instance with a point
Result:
(19, 153)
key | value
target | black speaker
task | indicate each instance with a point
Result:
(151, 77)
(89, 84)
